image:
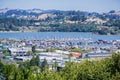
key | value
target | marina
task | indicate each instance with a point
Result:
(58, 46)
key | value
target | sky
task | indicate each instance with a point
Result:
(82, 5)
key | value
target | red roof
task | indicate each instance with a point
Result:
(76, 55)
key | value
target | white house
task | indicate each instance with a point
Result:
(19, 51)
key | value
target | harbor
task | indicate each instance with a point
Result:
(59, 49)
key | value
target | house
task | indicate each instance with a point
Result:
(76, 55)
(23, 58)
(18, 51)
(51, 57)
(99, 55)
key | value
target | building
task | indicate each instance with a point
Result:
(51, 57)
(18, 51)
(99, 55)
(23, 58)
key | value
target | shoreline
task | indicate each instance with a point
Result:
(15, 31)
(52, 31)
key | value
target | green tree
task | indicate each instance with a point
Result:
(32, 61)
(70, 71)
(115, 62)
(26, 73)
(9, 71)
(70, 55)
(55, 65)
(76, 50)
(44, 65)
(1, 65)
(29, 53)
(37, 61)
(116, 76)
(33, 49)
(35, 69)
(5, 52)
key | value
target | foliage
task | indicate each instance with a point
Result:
(104, 69)
(63, 21)
(5, 52)
(29, 53)
(69, 56)
(35, 61)
(34, 49)
(44, 65)
(1, 65)
(75, 50)
(50, 50)
(55, 65)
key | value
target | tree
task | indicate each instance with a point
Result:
(116, 76)
(26, 73)
(37, 61)
(35, 69)
(44, 65)
(55, 65)
(76, 50)
(70, 55)
(29, 53)
(9, 71)
(70, 71)
(1, 65)
(102, 69)
(33, 49)
(116, 62)
(32, 61)
(6, 53)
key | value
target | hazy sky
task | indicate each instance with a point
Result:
(83, 5)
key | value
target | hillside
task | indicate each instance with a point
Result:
(56, 20)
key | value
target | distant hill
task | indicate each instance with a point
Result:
(57, 20)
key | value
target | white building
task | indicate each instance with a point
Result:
(19, 51)
(51, 57)
(23, 58)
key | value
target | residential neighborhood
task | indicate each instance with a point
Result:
(60, 50)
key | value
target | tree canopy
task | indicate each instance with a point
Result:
(103, 69)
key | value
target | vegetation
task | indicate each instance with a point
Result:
(44, 65)
(33, 49)
(29, 53)
(55, 65)
(50, 50)
(105, 69)
(5, 52)
(35, 61)
(78, 50)
(62, 21)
